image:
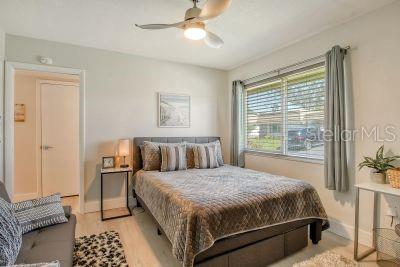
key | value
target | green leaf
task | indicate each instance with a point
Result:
(380, 163)
(378, 152)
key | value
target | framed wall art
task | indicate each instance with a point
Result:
(173, 110)
(19, 112)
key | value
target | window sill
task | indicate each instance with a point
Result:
(284, 157)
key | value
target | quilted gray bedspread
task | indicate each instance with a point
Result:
(197, 207)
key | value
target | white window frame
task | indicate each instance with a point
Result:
(284, 151)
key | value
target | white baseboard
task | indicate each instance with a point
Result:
(108, 204)
(22, 197)
(347, 231)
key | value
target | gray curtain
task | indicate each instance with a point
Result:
(237, 157)
(336, 173)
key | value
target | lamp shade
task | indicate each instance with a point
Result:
(123, 147)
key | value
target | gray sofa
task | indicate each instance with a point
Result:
(50, 243)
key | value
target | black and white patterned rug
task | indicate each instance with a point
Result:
(104, 249)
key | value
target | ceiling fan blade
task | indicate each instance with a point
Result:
(212, 40)
(161, 26)
(214, 8)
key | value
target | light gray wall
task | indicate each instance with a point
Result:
(121, 99)
(2, 56)
(375, 70)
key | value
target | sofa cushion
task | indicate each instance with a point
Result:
(10, 234)
(48, 244)
(41, 212)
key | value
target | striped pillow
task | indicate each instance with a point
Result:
(173, 158)
(205, 157)
(190, 155)
(39, 213)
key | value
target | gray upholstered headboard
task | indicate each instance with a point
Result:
(137, 141)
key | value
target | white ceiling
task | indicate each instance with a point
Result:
(250, 28)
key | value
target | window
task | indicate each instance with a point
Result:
(285, 114)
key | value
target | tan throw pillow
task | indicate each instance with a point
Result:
(173, 158)
(151, 156)
(205, 156)
(190, 155)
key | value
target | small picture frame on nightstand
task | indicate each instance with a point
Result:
(108, 162)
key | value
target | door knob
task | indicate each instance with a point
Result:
(45, 147)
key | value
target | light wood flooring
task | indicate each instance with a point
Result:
(144, 248)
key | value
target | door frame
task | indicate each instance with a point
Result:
(10, 68)
(39, 82)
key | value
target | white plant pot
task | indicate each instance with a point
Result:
(379, 178)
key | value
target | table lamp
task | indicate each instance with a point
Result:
(123, 151)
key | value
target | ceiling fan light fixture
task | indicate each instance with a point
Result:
(195, 31)
(193, 25)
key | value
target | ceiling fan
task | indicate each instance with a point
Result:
(194, 24)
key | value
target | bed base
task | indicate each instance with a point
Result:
(255, 248)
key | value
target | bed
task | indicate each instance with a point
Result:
(228, 216)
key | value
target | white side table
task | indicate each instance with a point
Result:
(112, 171)
(377, 189)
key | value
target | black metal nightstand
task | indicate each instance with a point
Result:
(114, 171)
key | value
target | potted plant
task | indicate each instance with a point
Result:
(379, 165)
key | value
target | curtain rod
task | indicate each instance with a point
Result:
(348, 47)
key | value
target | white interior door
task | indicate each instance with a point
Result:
(60, 138)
